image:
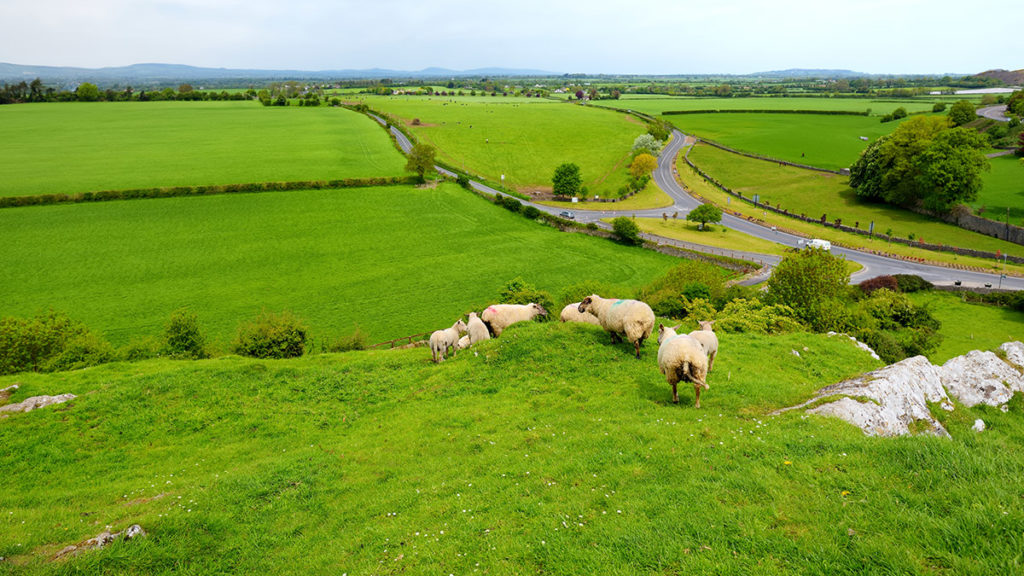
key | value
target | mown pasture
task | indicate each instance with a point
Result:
(657, 105)
(548, 450)
(523, 139)
(815, 193)
(82, 147)
(968, 326)
(395, 261)
(1004, 188)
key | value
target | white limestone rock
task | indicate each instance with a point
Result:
(35, 402)
(979, 425)
(1014, 353)
(981, 378)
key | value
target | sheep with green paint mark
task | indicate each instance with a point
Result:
(630, 318)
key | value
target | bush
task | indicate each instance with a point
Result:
(271, 336)
(627, 231)
(182, 336)
(907, 283)
(462, 180)
(939, 107)
(870, 285)
(355, 341)
(689, 276)
(86, 349)
(31, 344)
(518, 291)
(577, 292)
(511, 204)
(812, 283)
(531, 212)
(141, 349)
(751, 316)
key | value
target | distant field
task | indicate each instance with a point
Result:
(831, 142)
(1004, 188)
(969, 326)
(79, 147)
(524, 139)
(656, 105)
(332, 257)
(814, 193)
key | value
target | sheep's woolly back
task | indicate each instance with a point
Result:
(500, 316)
(680, 356)
(442, 340)
(571, 313)
(477, 329)
(633, 318)
(709, 341)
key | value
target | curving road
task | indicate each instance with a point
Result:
(997, 113)
(664, 177)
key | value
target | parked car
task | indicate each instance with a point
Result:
(567, 214)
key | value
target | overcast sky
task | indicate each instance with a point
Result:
(588, 36)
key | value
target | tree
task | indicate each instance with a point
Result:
(87, 92)
(1015, 104)
(645, 143)
(421, 160)
(643, 164)
(949, 170)
(627, 230)
(704, 214)
(567, 180)
(811, 282)
(961, 112)
(887, 169)
(579, 94)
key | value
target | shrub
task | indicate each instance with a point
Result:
(898, 113)
(627, 230)
(355, 341)
(939, 107)
(86, 349)
(141, 349)
(752, 316)
(870, 285)
(812, 283)
(30, 344)
(531, 212)
(462, 180)
(689, 276)
(518, 291)
(577, 292)
(511, 204)
(907, 283)
(182, 336)
(271, 336)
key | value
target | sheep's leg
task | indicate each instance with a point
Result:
(675, 395)
(615, 338)
(696, 392)
(637, 345)
(711, 360)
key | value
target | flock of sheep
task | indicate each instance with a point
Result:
(680, 356)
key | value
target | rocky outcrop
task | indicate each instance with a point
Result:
(894, 400)
(101, 540)
(35, 402)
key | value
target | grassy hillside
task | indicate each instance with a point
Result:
(80, 147)
(395, 260)
(1004, 188)
(548, 450)
(521, 138)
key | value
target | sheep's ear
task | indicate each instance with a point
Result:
(676, 327)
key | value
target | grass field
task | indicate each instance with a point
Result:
(80, 147)
(650, 197)
(812, 193)
(521, 138)
(332, 257)
(969, 326)
(715, 235)
(1004, 188)
(656, 105)
(549, 451)
(831, 142)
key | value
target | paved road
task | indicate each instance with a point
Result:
(997, 113)
(664, 177)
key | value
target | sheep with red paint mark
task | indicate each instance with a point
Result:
(632, 319)
(497, 317)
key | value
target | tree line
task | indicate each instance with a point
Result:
(35, 91)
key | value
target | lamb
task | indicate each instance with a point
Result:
(681, 357)
(442, 340)
(631, 318)
(707, 338)
(500, 316)
(463, 343)
(478, 331)
(571, 313)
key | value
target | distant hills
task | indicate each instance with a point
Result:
(1009, 77)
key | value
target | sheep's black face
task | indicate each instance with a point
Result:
(583, 305)
(540, 309)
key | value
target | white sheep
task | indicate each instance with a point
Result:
(442, 340)
(630, 318)
(463, 343)
(571, 313)
(708, 339)
(477, 329)
(681, 357)
(499, 316)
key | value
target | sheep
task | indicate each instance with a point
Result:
(681, 357)
(571, 313)
(478, 331)
(631, 318)
(500, 316)
(463, 343)
(442, 340)
(707, 338)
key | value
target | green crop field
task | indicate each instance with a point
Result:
(80, 147)
(548, 450)
(521, 138)
(831, 142)
(1004, 188)
(656, 105)
(394, 260)
(815, 193)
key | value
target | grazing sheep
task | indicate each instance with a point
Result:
(707, 338)
(500, 316)
(571, 313)
(463, 343)
(442, 340)
(631, 318)
(478, 331)
(681, 357)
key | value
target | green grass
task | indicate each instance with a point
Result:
(650, 197)
(78, 147)
(396, 260)
(548, 451)
(523, 139)
(1004, 188)
(813, 193)
(831, 142)
(656, 105)
(969, 326)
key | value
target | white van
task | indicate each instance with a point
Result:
(817, 243)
